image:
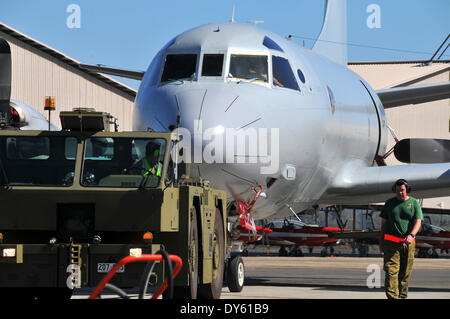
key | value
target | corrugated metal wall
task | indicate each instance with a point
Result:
(427, 120)
(36, 74)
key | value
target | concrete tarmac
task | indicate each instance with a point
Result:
(336, 278)
(272, 277)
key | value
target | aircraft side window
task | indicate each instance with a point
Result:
(249, 67)
(212, 65)
(282, 74)
(269, 43)
(179, 66)
(301, 76)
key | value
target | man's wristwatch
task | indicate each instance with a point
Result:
(413, 236)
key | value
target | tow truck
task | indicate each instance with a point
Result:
(71, 209)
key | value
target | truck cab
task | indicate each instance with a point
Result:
(76, 201)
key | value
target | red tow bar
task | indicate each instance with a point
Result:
(130, 259)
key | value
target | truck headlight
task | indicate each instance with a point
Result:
(136, 252)
(9, 252)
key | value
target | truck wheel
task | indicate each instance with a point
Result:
(236, 274)
(190, 292)
(213, 290)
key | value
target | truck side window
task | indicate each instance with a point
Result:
(38, 160)
(30, 148)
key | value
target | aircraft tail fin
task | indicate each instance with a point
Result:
(332, 41)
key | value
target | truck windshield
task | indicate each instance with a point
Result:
(123, 162)
(37, 160)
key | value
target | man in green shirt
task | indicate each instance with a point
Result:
(401, 221)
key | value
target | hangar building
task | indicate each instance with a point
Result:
(39, 71)
(426, 120)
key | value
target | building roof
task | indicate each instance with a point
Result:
(389, 74)
(65, 59)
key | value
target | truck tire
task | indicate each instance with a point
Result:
(190, 292)
(236, 274)
(213, 290)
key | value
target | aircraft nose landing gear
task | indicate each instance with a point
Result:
(235, 274)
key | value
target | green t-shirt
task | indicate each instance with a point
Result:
(401, 216)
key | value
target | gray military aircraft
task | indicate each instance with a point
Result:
(255, 108)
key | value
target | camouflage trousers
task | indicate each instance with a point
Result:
(398, 263)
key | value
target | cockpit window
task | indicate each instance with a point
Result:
(269, 43)
(212, 65)
(249, 67)
(282, 74)
(179, 66)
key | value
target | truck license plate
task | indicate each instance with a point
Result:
(106, 267)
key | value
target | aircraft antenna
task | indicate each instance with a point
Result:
(255, 22)
(232, 14)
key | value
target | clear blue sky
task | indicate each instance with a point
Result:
(128, 34)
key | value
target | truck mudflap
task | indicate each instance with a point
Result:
(72, 265)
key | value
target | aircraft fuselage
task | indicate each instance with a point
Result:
(302, 118)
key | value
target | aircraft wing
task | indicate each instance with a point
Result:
(131, 74)
(365, 185)
(414, 94)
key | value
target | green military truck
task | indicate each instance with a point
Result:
(73, 204)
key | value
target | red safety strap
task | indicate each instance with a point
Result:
(393, 238)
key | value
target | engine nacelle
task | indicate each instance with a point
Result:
(26, 117)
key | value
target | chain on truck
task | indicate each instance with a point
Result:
(74, 202)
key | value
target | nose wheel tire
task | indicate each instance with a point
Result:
(236, 274)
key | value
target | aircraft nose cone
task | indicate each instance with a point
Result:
(217, 109)
(223, 131)
(211, 115)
